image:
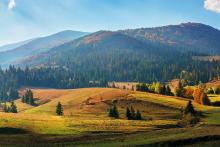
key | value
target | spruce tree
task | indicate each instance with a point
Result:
(13, 108)
(59, 109)
(115, 112)
(128, 114)
(138, 115)
(163, 90)
(133, 115)
(168, 91)
(189, 108)
(23, 99)
(110, 113)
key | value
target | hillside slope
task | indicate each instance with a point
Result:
(194, 37)
(14, 45)
(86, 120)
(37, 46)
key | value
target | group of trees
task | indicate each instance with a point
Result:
(28, 97)
(213, 90)
(198, 94)
(132, 115)
(10, 109)
(155, 87)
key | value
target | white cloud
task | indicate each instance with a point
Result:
(212, 5)
(11, 4)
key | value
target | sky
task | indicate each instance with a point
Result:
(25, 19)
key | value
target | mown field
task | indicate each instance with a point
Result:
(86, 122)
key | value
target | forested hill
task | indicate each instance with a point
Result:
(126, 56)
(153, 43)
(194, 37)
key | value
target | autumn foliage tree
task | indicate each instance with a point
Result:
(188, 93)
(200, 96)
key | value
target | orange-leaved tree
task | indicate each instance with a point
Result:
(200, 96)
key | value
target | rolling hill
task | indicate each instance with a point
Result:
(86, 120)
(37, 46)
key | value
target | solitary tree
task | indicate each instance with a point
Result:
(189, 108)
(59, 109)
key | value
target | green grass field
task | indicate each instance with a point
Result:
(86, 121)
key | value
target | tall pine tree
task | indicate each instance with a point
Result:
(59, 109)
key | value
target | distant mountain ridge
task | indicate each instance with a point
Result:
(151, 43)
(154, 43)
(37, 46)
(11, 46)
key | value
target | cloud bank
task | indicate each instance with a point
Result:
(11, 4)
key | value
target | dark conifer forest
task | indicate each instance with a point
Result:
(62, 77)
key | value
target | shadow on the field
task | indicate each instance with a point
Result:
(9, 130)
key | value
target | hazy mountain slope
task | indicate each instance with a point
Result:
(194, 37)
(37, 46)
(14, 45)
(153, 43)
(110, 45)
(111, 56)
(123, 56)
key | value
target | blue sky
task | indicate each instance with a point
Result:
(25, 19)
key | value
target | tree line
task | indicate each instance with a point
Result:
(72, 75)
(155, 87)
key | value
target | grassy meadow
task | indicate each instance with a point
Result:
(86, 121)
